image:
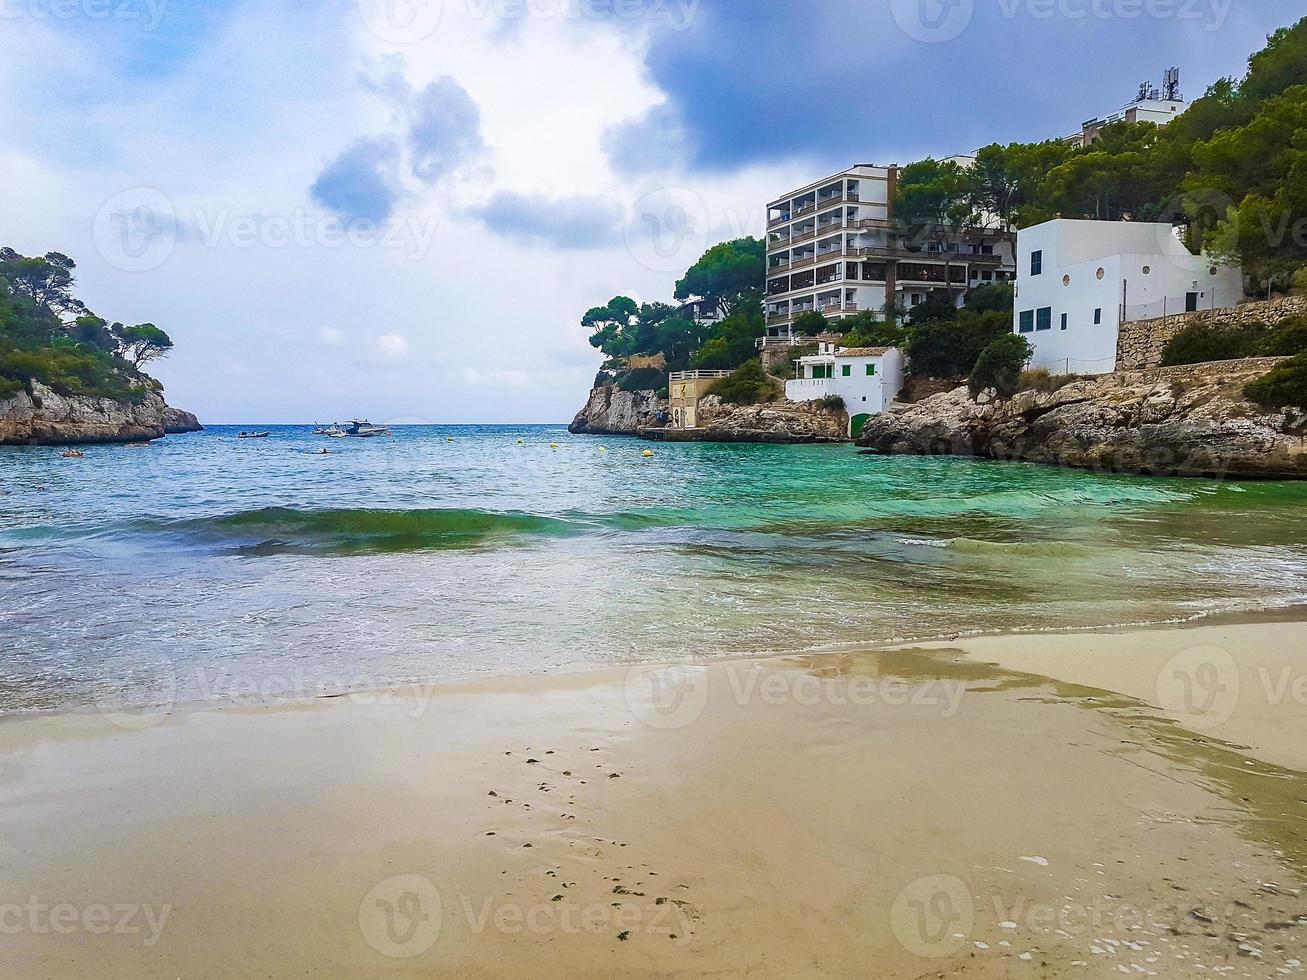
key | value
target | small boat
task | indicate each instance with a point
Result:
(327, 430)
(253, 435)
(363, 429)
(72, 454)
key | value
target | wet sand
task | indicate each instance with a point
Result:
(999, 807)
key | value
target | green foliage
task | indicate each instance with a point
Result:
(992, 297)
(726, 274)
(81, 356)
(1201, 342)
(1283, 387)
(950, 348)
(810, 324)
(642, 379)
(747, 385)
(832, 403)
(999, 366)
(732, 340)
(937, 306)
(864, 330)
(1285, 338)
(1040, 379)
(622, 329)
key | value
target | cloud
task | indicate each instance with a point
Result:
(445, 129)
(579, 221)
(360, 183)
(392, 346)
(653, 142)
(331, 336)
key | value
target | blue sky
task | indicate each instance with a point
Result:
(401, 207)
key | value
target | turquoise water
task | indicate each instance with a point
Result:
(219, 568)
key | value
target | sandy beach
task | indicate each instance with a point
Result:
(1084, 804)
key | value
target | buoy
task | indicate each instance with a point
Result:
(449, 438)
(648, 452)
(521, 442)
(602, 449)
(553, 445)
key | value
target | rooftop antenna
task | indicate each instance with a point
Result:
(1171, 85)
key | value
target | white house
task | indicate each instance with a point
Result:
(1078, 281)
(866, 378)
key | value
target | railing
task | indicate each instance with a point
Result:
(803, 209)
(803, 263)
(1168, 306)
(783, 219)
(773, 343)
(697, 375)
(802, 236)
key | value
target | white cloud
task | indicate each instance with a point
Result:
(331, 336)
(392, 346)
(496, 377)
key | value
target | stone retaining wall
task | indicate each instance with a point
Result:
(1139, 345)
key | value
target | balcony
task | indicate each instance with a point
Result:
(783, 219)
(804, 262)
(803, 209)
(807, 389)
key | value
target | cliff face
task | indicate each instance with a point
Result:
(1186, 421)
(779, 422)
(613, 411)
(47, 418)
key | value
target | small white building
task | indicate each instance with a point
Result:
(1078, 281)
(866, 378)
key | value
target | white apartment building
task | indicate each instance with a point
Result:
(833, 246)
(1152, 105)
(866, 378)
(1078, 281)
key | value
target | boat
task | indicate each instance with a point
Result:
(363, 429)
(253, 435)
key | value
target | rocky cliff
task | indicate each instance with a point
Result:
(46, 418)
(610, 410)
(778, 422)
(1188, 421)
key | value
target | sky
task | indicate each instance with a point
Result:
(401, 208)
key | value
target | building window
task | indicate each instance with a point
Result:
(848, 370)
(1037, 263)
(1064, 319)
(1098, 316)
(1027, 321)
(871, 370)
(1044, 318)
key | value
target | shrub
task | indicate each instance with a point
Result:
(999, 366)
(747, 385)
(9, 388)
(1041, 380)
(833, 403)
(642, 379)
(992, 297)
(1284, 385)
(1200, 342)
(1286, 337)
(810, 324)
(949, 348)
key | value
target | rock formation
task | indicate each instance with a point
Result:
(43, 417)
(1190, 421)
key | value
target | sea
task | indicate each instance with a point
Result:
(209, 568)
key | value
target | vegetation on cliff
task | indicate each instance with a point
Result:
(1232, 169)
(1285, 386)
(49, 336)
(1201, 342)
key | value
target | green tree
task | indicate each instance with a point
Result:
(726, 274)
(934, 203)
(992, 297)
(810, 324)
(143, 343)
(1006, 179)
(999, 366)
(611, 324)
(747, 385)
(1284, 386)
(950, 348)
